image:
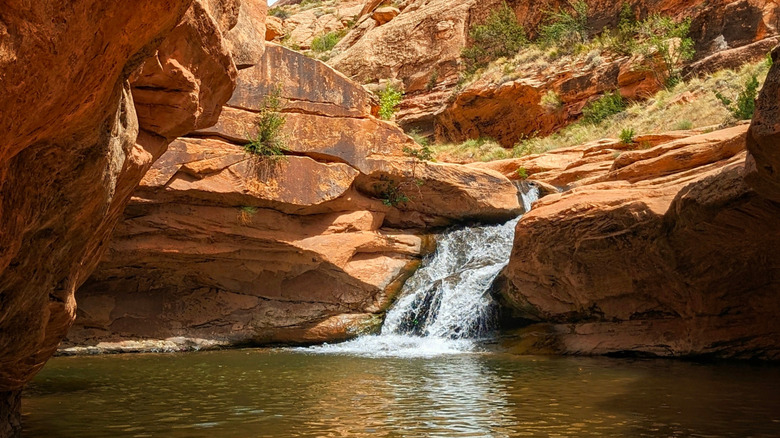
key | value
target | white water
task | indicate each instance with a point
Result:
(446, 305)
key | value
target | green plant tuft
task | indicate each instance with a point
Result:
(745, 105)
(500, 36)
(565, 29)
(390, 192)
(522, 172)
(326, 42)
(607, 105)
(389, 99)
(269, 141)
(661, 36)
(627, 135)
(279, 13)
(683, 125)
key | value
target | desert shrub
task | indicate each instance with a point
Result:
(389, 99)
(551, 101)
(328, 41)
(390, 192)
(500, 36)
(663, 37)
(279, 13)
(627, 135)
(683, 125)
(432, 80)
(423, 153)
(565, 29)
(522, 172)
(269, 140)
(607, 105)
(745, 105)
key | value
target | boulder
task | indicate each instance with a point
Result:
(666, 252)
(384, 14)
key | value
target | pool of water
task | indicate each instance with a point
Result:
(312, 393)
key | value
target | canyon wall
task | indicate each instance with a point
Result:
(664, 250)
(420, 50)
(219, 246)
(92, 93)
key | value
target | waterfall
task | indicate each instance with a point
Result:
(446, 305)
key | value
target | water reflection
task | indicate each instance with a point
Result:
(265, 393)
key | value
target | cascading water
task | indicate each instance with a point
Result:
(446, 304)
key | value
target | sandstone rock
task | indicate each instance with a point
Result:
(385, 14)
(228, 248)
(763, 162)
(68, 168)
(676, 263)
(65, 167)
(273, 28)
(185, 84)
(245, 40)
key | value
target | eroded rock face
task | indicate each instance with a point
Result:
(666, 251)
(73, 149)
(421, 48)
(221, 246)
(763, 162)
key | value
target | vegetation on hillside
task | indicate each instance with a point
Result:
(691, 104)
(500, 36)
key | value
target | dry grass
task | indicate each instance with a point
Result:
(689, 105)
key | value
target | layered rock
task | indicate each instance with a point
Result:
(421, 48)
(763, 162)
(662, 251)
(222, 247)
(77, 136)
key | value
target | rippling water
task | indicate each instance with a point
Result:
(298, 393)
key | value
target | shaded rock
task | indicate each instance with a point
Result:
(675, 263)
(273, 28)
(66, 168)
(763, 162)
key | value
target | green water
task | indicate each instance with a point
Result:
(283, 393)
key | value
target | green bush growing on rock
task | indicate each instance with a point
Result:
(669, 40)
(269, 141)
(279, 13)
(627, 135)
(500, 36)
(565, 29)
(389, 99)
(390, 192)
(607, 105)
(326, 42)
(745, 105)
(522, 172)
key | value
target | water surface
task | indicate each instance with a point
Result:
(306, 393)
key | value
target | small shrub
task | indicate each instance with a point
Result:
(279, 13)
(389, 99)
(424, 153)
(551, 101)
(526, 146)
(390, 192)
(607, 105)
(500, 36)
(768, 61)
(564, 29)
(522, 172)
(662, 36)
(326, 42)
(745, 105)
(627, 135)
(432, 80)
(683, 125)
(269, 141)
(245, 214)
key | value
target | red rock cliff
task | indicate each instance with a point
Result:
(92, 93)
(218, 246)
